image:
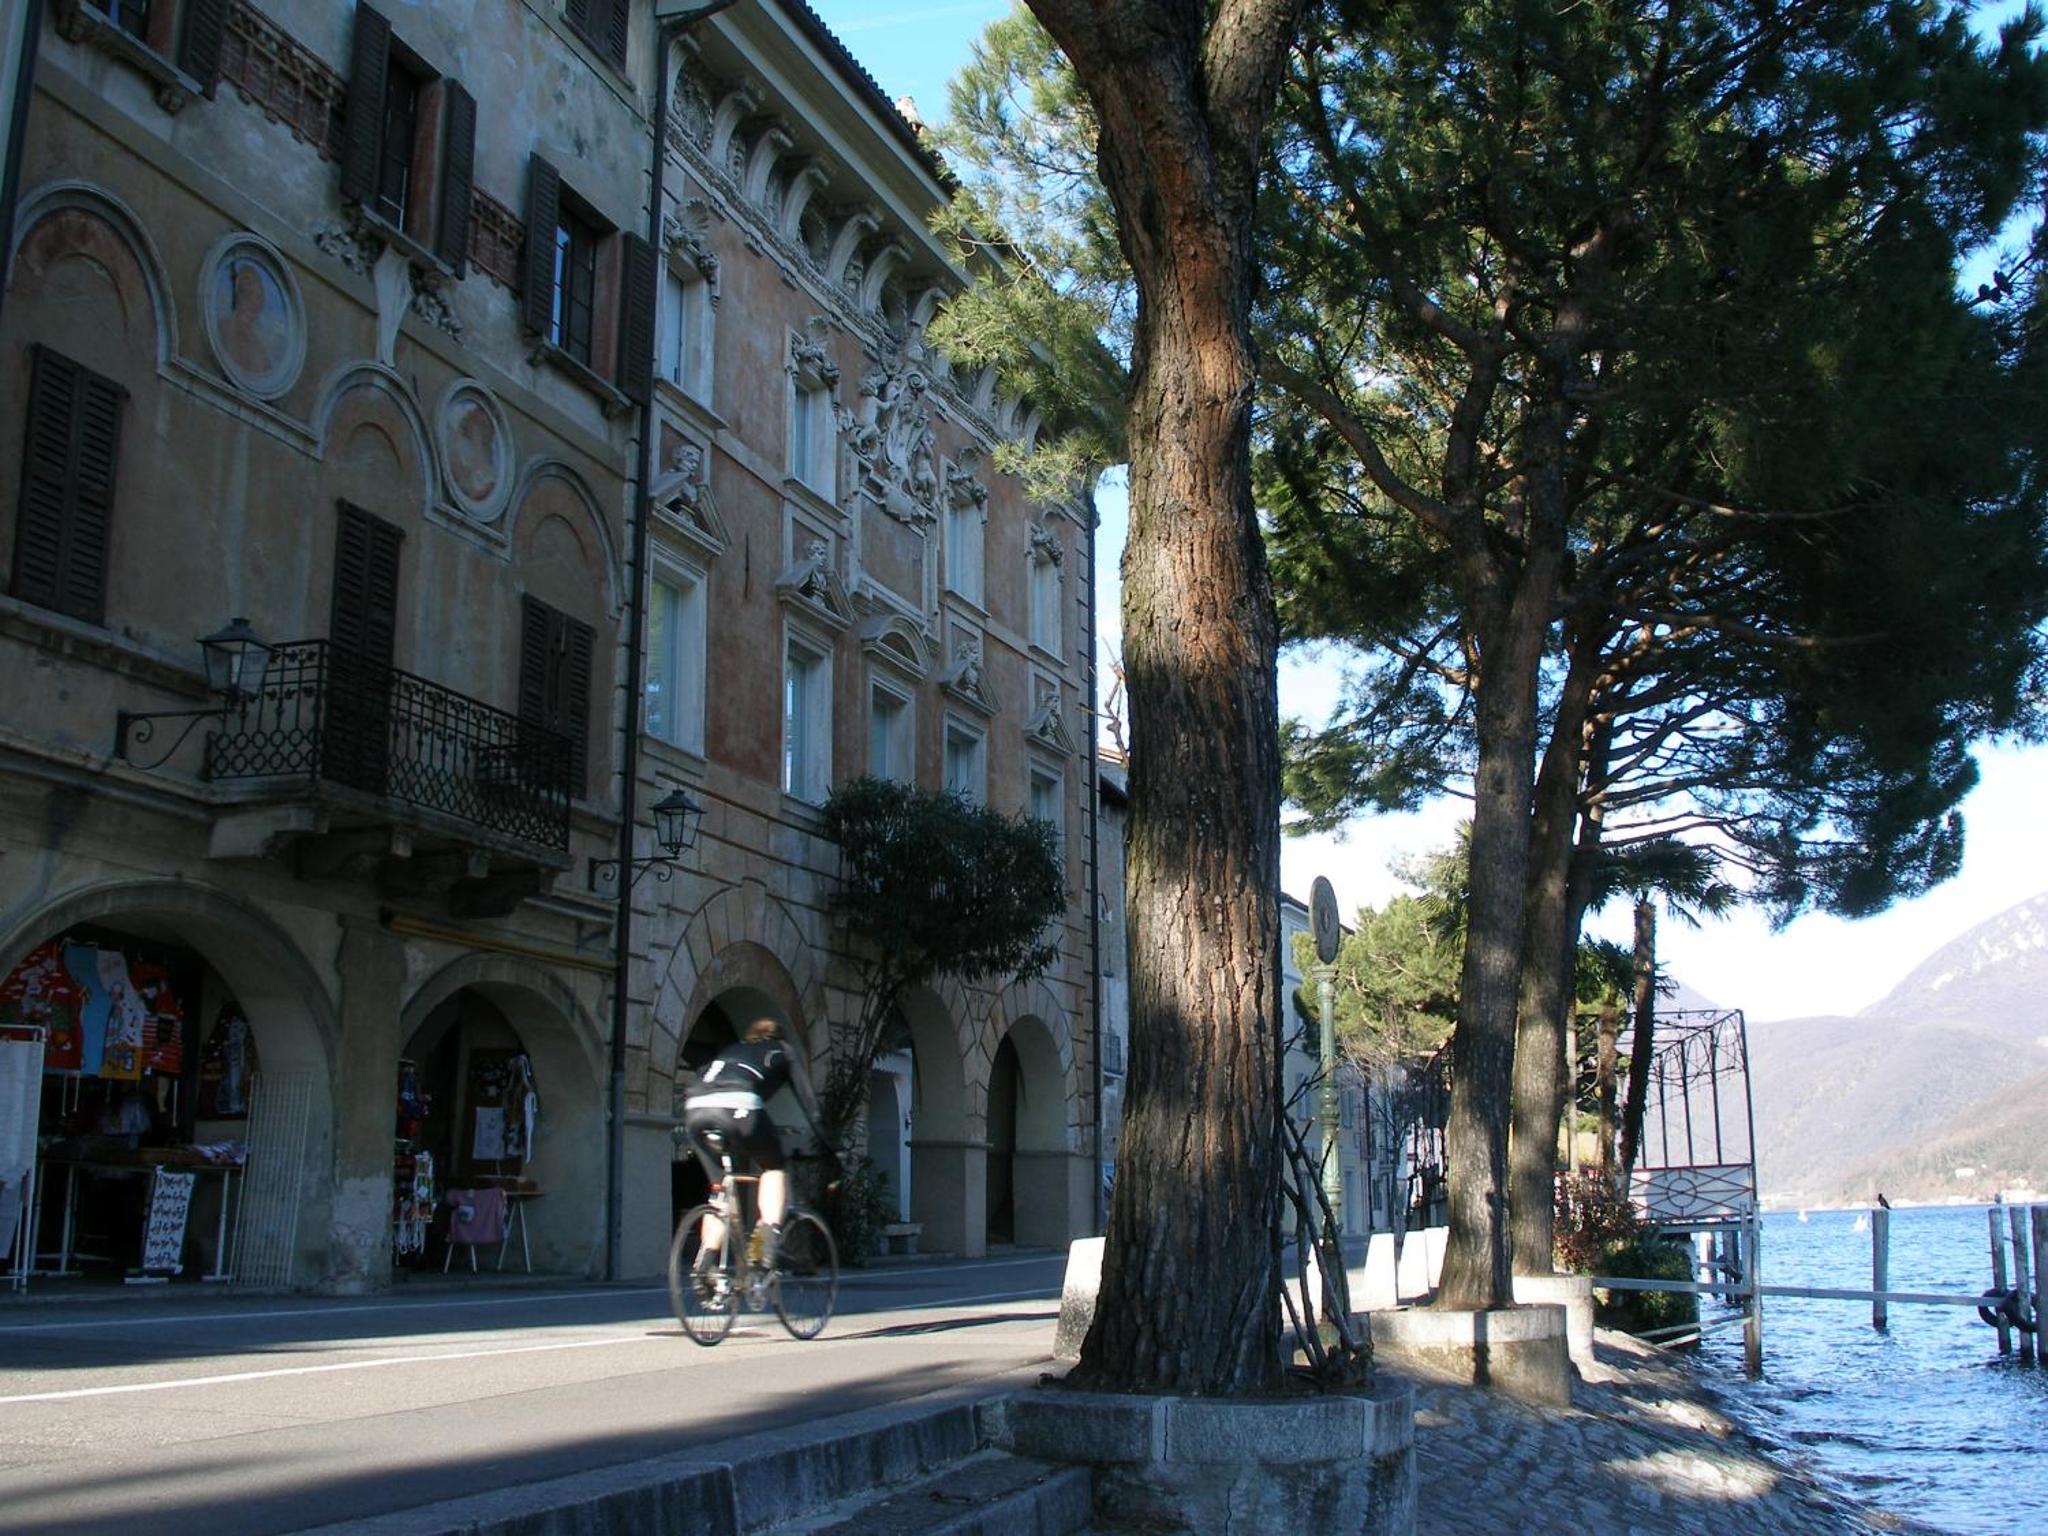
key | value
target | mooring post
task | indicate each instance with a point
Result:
(1998, 1281)
(1753, 1276)
(2022, 1270)
(2040, 1214)
(1880, 1264)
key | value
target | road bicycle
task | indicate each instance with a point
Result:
(800, 1279)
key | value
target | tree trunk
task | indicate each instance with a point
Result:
(1190, 1283)
(1550, 940)
(1644, 1042)
(1603, 1082)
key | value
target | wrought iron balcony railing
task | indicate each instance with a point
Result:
(327, 716)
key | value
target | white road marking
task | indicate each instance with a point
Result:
(144, 1320)
(315, 1370)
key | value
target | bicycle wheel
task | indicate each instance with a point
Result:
(806, 1280)
(707, 1300)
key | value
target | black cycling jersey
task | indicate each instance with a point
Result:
(751, 1066)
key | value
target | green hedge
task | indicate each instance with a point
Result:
(1647, 1258)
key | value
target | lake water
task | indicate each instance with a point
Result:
(1925, 1419)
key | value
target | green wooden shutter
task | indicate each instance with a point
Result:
(543, 216)
(363, 131)
(636, 319)
(574, 695)
(69, 451)
(206, 24)
(615, 31)
(458, 176)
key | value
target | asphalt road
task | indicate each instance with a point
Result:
(222, 1415)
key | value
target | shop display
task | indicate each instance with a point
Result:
(40, 993)
(227, 1065)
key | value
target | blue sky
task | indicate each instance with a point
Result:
(1816, 965)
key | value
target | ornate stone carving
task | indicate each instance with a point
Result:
(679, 488)
(964, 673)
(430, 301)
(351, 245)
(687, 233)
(964, 488)
(1048, 716)
(891, 435)
(808, 354)
(1045, 545)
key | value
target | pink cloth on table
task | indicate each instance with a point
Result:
(477, 1215)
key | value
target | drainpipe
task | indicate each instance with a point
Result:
(670, 17)
(27, 27)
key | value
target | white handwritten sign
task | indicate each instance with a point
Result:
(163, 1239)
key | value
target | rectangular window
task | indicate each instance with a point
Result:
(963, 550)
(1049, 801)
(131, 16)
(67, 487)
(1045, 604)
(408, 147)
(401, 132)
(675, 662)
(685, 344)
(806, 724)
(890, 738)
(811, 438)
(603, 25)
(575, 285)
(966, 764)
(554, 679)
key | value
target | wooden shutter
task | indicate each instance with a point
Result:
(206, 24)
(615, 30)
(458, 176)
(70, 447)
(543, 217)
(579, 15)
(363, 130)
(555, 653)
(641, 287)
(362, 619)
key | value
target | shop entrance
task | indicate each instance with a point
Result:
(469, 1119)
(142, 1092)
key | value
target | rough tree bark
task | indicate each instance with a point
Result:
(1190, 1282)
(1643, 1044)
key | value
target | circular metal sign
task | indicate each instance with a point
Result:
(1322, 916)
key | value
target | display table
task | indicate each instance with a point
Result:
(138, 1162)
(517, 1192)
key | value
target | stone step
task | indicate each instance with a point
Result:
(991, 1493)
(739, 1488)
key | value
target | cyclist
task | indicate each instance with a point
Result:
(729, 1101)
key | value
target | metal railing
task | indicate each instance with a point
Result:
(324, 715)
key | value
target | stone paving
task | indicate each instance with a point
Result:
(1642, 1451)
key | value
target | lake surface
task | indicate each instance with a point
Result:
(1925, 1419)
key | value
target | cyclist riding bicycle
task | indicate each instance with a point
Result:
(728, 1102)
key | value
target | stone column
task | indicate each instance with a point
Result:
(372, 966)
(949, 1195)
(1052, 1198)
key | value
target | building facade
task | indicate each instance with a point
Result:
(353, 324)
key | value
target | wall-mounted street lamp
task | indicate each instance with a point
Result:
(235, 663)
(676, 820)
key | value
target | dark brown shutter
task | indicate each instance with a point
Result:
(362, 619)
(579, 14)
(536, 648)
(574, 694)
(206, 23)
(458, 175)
(615, 31)
(636, 320)
(70, 447)
(543, 217)
(363, 128)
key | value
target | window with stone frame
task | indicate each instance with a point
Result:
(1044, 581)
(555, 659)
(590, 289)
(602, 24)
(965, 518)
(686, 331)
(806, 720)
(676, 619)
(892, 732)
(175, 43)
(408, 144)
(967, 760)
(1049, 799)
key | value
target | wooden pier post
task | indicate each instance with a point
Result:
(2040, 1214)
(1998, 1280)
(2022, 1272)
(1880, 1264)
(1753, 1277)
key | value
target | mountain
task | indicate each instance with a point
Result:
(1948, 1072)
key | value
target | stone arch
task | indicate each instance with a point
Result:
(1036, 1197)
(541, 475)
(282, 993)
(336, 420)
(56, 197)
(566, 1047)
(760, 934)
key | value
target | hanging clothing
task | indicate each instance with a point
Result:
(476, 1216)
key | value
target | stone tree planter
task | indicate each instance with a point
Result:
(1336, 1464)
(1516, 1351)
(1575, 1294)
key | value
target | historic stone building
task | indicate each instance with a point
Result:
(877, 599)
(339, 327)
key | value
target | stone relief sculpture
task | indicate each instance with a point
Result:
(687, 233)
(807, 352)
(1045, 545)
(891, 436)
(965, 672)
(679, 487)
(964, 488)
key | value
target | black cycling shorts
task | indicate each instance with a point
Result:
(744, 1131)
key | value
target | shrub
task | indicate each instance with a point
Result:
(857, 1210)
(1592, 1220)
(1648, 1258)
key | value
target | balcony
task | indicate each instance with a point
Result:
(360, 768)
